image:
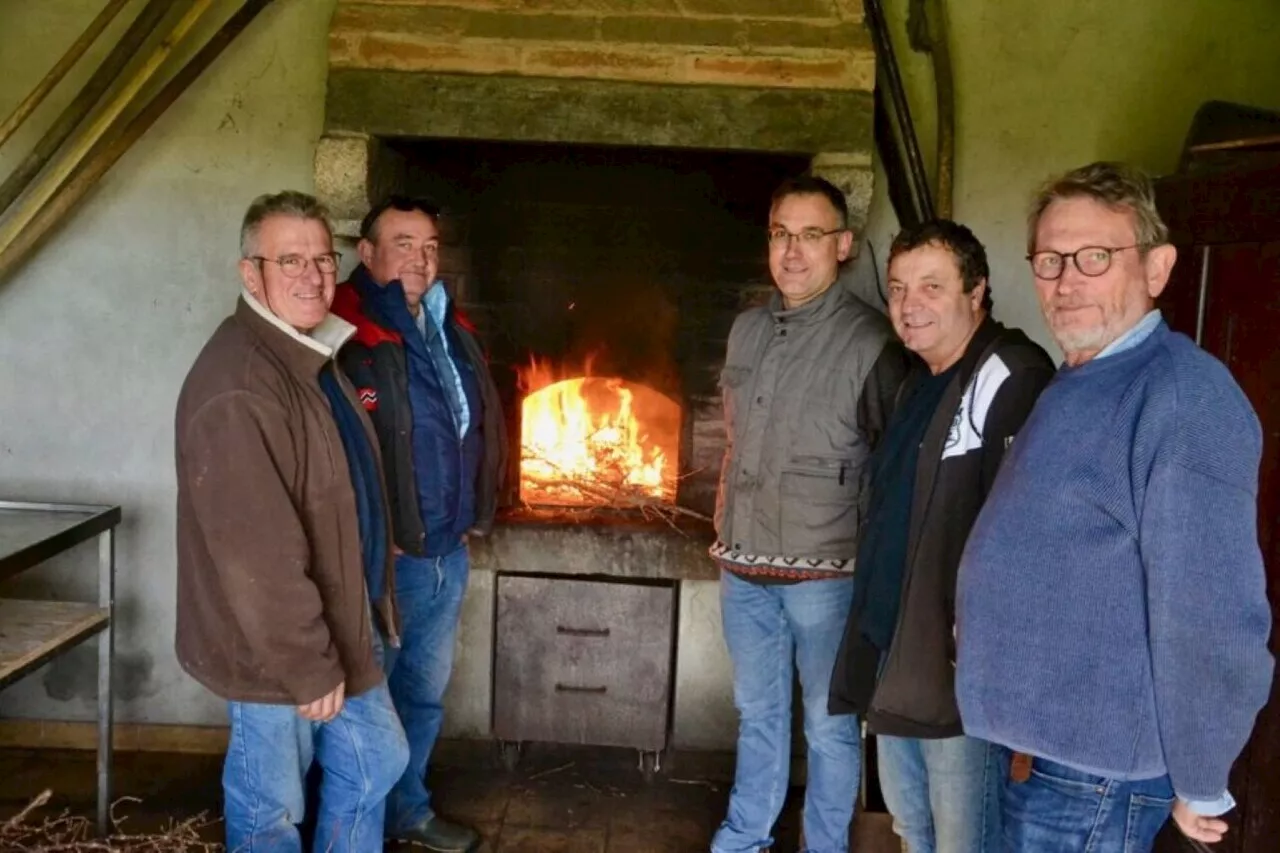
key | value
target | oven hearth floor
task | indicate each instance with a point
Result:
(558, 800)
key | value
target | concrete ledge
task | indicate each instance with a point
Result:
(543, 109)
(622, 547)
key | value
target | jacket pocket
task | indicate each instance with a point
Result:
(734, 376)
(735, 382)
(820, 507)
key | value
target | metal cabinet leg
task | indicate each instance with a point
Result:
(509, 754)
(650, 764)
(106, 653)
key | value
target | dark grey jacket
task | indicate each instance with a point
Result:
(803, 408)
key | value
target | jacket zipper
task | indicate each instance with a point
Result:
(393, 636)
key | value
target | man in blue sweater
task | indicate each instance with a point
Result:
(1112, 614)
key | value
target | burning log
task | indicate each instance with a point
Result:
(68, 833)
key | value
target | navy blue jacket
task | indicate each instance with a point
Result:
(439, 485)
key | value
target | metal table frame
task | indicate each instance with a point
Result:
(98, 521)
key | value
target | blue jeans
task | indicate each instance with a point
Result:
(1061, 810)
(944, 794)
(361, 753)
(429, 593)
(767, 627)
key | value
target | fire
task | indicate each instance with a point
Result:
(594, 440)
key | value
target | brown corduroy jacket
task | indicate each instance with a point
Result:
(272, 601)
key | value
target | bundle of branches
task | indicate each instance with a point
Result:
(68, 833)
(609, 486)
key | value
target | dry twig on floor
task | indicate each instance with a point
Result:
(68, 833)
(543, 773)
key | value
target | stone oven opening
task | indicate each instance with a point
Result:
(603, 282)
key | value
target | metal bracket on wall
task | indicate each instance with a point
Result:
(914, 197)
(895, 133)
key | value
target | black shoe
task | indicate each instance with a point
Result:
(440, 836)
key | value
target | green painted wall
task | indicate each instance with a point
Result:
(1042, 87)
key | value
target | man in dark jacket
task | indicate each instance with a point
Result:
(281, 518)
(973, 386)
(423, 379)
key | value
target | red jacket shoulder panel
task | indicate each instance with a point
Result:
(346, 304)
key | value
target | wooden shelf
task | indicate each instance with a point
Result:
(32, 632)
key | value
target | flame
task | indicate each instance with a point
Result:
(582, 442)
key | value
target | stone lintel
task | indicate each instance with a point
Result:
(540, 109)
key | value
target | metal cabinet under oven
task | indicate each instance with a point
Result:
(584, 661)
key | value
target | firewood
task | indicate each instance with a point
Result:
(609, 489)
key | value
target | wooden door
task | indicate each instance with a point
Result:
(1241, 326)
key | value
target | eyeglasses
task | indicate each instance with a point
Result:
(1092, 261)
(293, 266)
(807, 236)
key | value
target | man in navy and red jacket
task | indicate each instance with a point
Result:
(422, 377)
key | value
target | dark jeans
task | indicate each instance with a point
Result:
(1061, 810)
(429, 591)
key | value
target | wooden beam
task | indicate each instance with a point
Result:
(543, 109)
(109, 151)
(62, 169)
(65, 64)
(125, 50)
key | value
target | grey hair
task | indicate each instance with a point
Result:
(286, 203)
(1114, 185)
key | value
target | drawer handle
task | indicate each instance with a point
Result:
(582, 632)
(569, 688)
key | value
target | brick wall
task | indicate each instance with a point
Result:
(798, 44)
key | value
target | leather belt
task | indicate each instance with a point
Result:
(1020, 767)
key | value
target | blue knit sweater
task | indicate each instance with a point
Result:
(1112, 611)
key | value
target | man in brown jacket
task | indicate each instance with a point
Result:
(281, 521)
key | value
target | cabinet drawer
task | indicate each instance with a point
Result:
(580, 661)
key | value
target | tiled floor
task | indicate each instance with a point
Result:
(558, 800)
